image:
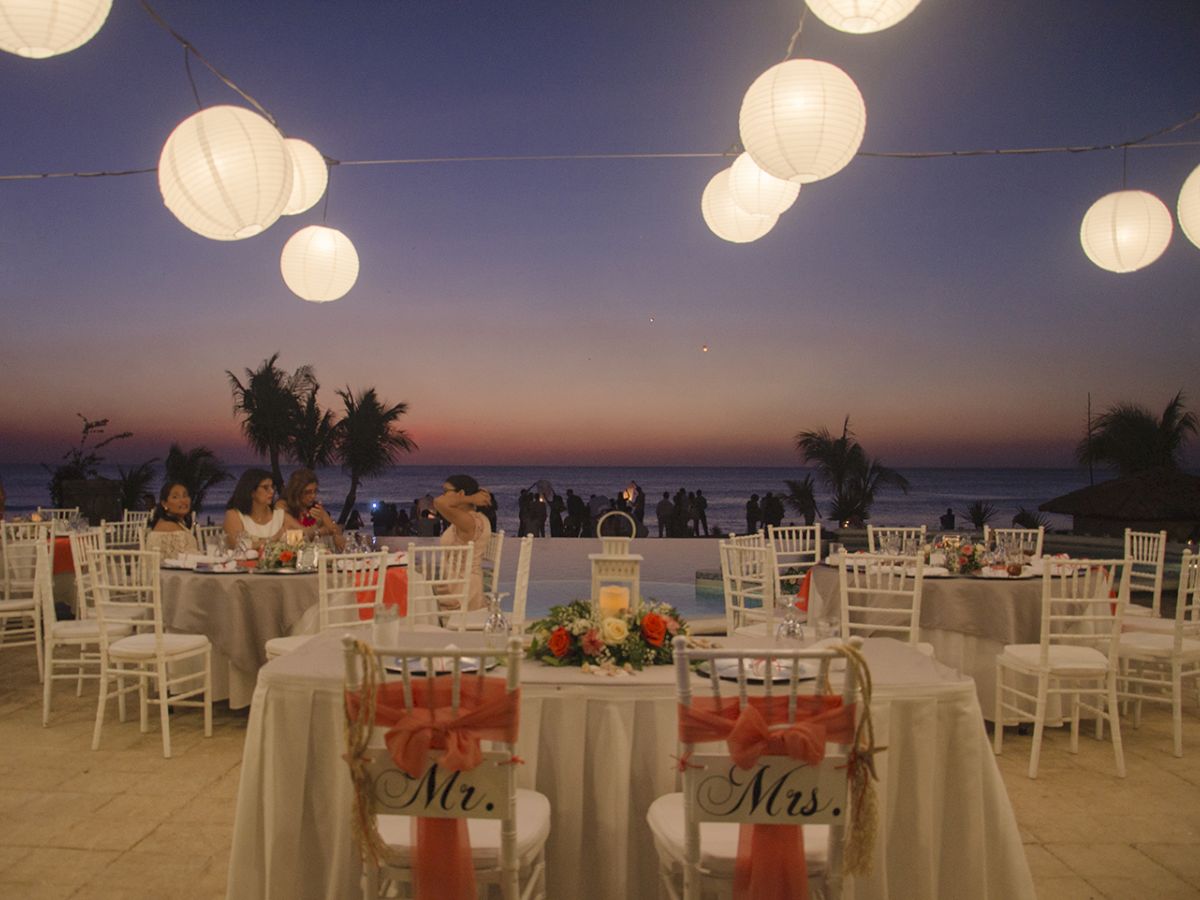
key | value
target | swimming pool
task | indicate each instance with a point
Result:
(694, 600)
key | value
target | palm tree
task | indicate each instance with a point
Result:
(1027, 518)
(269, 403)
(852, 476)
(368, 440)
(980, 512)
(801, 497)
(198, 469)
(135, 483)
(1130, 439)
(314, 434)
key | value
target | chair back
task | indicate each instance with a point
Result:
(141, 516)
(894, 540)
(349, 584)
(207, 535)
(428, 783)
(1082, 604)
(58, 514)
(439, 582)
(797, 549)
(521, 586)
(1147, 554)
(18, 562)
(128, 591)
(1029, 541)
(757, 539)
(43, 588)
(491, 562)
(723, 785)
(881, 595)
(748, 576)
(124, 535)
(83, 544)
(1187, 601)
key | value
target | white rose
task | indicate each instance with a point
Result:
(580, 626)
(614, 631)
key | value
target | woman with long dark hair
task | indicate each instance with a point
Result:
(170, 525)
(300, 501)
(251, 513)
(459, 505)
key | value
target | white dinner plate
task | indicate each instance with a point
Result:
(727, 670)
(283, 571)
(1026, 572)
(416, 665)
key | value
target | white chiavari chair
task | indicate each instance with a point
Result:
(82, 544)
(208, 535)
(506, 827)
(350, 587)
(1147, 555)
(20, 617)
(697, 831)
(797, 548)
(881, 596)
(886, 539)
(1029, 540)
(748, 577)
(491, 562)
(1154, 665)
(1076, 657)
(439, 584)
(129, 597)
(18, 577)
(477, 618)
(124, 535)
(141, 516)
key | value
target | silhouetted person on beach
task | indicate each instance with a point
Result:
(753, 514)
(557, 508)
(537, 515)
(772, 510)
(683, 513)
(639, 503)
(702, 511)
(523, 526)
(948, 520)
(665, 510)
(577, 515)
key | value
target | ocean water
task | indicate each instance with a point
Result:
(727, 489)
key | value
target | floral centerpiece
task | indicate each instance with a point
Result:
(277, 555)
(961, 557)
(577, 634)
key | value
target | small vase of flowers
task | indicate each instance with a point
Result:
(579, 634)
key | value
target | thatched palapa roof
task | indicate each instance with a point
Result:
(1159, 495)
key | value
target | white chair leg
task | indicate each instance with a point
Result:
(100, 704)
(208, 693)
(143, 705)
(164, 708)
(1039, 724)
(37, 635)
(1115, 722)
(1177, 705)
(121, 693)
(47, 680)
(1075, 722)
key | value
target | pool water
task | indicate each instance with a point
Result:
(693, 600)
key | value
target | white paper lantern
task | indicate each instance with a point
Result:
(802, 120)
(1189, 207)
(758, 192)
(861, 16)
(1125, 231)
(37, 29)
(727, 220)
(225, 173)
(319, 264)
(310, 175)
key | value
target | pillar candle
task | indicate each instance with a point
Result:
(613, 600)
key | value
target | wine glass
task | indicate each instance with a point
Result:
(791, 629)
(497, 622)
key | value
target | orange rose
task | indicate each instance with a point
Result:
(286, 556)
(654, 629)
(560, 642)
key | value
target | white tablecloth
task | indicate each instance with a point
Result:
(967, 621)
(600, 749)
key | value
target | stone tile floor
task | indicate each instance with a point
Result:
(122, 822)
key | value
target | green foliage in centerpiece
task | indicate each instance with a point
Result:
(962, 557)
(576, 634)
(277, 555)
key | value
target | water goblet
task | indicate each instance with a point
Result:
(791, 629)
(496, 622)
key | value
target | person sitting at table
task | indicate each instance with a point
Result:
(170, 525)
(300, 502)
(461, 497)
(251, 513)
(948, 520)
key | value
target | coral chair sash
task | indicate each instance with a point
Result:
(770, 863)
(487, 711)
(803, 591)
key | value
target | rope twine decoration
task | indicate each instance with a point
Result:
(373, 849)
(864, 802)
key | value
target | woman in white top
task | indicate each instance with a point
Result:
(251, 511)
(461, 496)
(171, 522)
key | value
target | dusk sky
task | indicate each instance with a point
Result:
(944, 304)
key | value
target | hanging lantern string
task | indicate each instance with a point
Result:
(187, 67)
(190, 48)
(1135, 144)
(795, 41)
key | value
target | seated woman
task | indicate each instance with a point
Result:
(458, 505)
(251, 513)
(170, 525)
(300, 502)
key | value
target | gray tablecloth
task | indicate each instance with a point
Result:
(239, 613)
(1000, 609)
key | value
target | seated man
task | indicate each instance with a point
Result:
(948, 520)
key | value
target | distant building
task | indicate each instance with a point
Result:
(1151, 501)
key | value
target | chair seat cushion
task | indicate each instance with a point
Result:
(1149, 643)
(718, 841)
(1137, 611)
(143, 646)
(1062, 657)
(1158, 625)
(85, 630)
(282, 646)
(533, 827)
(17, 606)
